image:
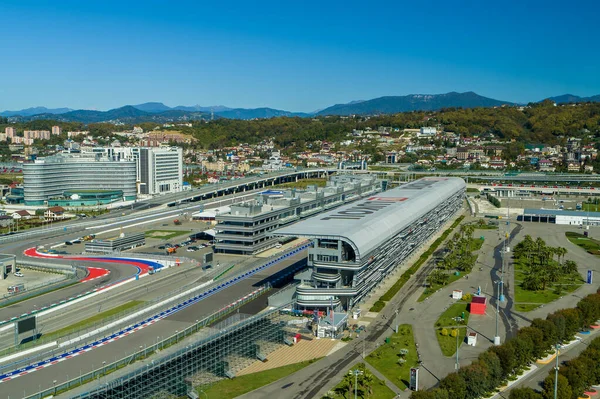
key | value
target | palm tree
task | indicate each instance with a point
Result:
(570, 267)
(367, 382)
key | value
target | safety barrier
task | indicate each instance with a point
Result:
(149, 350)
(74, 351)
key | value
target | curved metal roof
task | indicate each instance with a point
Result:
(369, 222)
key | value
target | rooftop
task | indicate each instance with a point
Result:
(557, 212)
(368, 223)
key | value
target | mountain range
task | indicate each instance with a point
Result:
(161, 113)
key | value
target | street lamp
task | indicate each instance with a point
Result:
(396, 321)
(356, 373)
(556, 374)
(497, 337)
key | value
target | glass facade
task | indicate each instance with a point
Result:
(49, 178)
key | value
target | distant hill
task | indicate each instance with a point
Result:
(152, 107)
(36, 111)
(570, 98)
(126, 114)
(413, 102)
(155, 107)
(257, 113)
(200, 108)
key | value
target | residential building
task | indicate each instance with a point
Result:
(56, 130)
(10, 132)
(427, 132)
(54, 213)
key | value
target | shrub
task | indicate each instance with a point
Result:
(444, 332)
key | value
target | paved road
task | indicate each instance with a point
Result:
(317, 378)
(68, 369)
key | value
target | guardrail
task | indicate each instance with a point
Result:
(149, 350)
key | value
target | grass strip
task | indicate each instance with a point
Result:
(91, 320)
(218, 276)
(237, 386)
(446, 321)
(391, 362)
(591, 245)
(413, 269)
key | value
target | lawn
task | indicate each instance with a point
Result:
(90, 321)
(386, 357)
(591, 207)
(553, 291)
(476, 245)
(591, 245)
(245, 383)
(526, 307)
(165, 234)
(379, 389)
(446, 320)
(433, 288)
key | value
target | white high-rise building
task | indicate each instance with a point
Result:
(159, 170)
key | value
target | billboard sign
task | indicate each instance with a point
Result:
(25, 325)
(414, 379)
(207, 257)
(590, 275)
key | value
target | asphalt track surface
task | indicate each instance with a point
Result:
(71, 368)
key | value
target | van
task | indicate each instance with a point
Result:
(15, 289)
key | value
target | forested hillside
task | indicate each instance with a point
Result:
(537, 123)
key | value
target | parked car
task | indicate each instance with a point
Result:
(68, 243)
(77, 241)
(18, 274)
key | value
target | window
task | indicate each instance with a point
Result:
(327, 258)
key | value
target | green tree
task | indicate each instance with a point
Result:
(524, 393)
(455, 385)
(564, 389)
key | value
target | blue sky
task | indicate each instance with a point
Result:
(297, 56)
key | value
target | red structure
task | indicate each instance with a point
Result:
(478, 305)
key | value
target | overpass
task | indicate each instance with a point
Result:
(241, 185)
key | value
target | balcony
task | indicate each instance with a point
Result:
(326, 277)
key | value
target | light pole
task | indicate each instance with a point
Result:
(356, 373)
(456, 365)
(396, 321)
(497, 337)
(556, 374)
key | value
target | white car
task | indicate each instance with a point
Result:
(19, 274)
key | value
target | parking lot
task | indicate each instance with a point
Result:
(30, 278)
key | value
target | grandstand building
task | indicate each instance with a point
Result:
(357, 245)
